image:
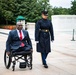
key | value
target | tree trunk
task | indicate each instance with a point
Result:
(6, 22)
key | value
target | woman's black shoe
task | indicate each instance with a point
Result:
(45, 66)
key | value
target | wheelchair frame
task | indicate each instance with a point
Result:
(17, 56)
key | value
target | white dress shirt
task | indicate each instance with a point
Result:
(19, 34)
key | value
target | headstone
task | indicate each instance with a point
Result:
(64, 22)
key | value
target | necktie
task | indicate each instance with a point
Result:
(22, 44)
(20, 35)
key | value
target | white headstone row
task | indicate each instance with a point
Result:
(64, 22)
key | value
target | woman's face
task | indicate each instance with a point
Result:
(44, 16)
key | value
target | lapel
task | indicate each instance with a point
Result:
(16, 34)
(24, 33)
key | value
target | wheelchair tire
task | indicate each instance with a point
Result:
(7, 63)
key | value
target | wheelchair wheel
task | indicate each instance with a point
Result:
(7, 60)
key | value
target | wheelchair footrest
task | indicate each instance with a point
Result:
(22, 65)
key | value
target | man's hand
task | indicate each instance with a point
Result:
(8, 53)
(32, 50)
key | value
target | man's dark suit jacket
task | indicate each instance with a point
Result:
(14, 42)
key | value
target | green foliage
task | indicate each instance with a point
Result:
(30, 9)
(73, 7)
(6, 11)
(60, 11)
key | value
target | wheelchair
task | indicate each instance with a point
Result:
(25, 56)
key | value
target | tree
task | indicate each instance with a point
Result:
(6, 13)
(30, 9)
(60, 11)
(73, 7)
(8, 16)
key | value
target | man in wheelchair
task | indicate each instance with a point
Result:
(18, 43)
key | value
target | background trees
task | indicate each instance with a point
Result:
(73, 7)
(60, 11)
(30, 9)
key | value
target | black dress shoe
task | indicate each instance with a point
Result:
(45, 66)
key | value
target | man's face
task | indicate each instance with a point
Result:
(19, 27)
(44, 16)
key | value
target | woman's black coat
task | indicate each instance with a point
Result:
(44, 37)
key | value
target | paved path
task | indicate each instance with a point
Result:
(61, 61)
